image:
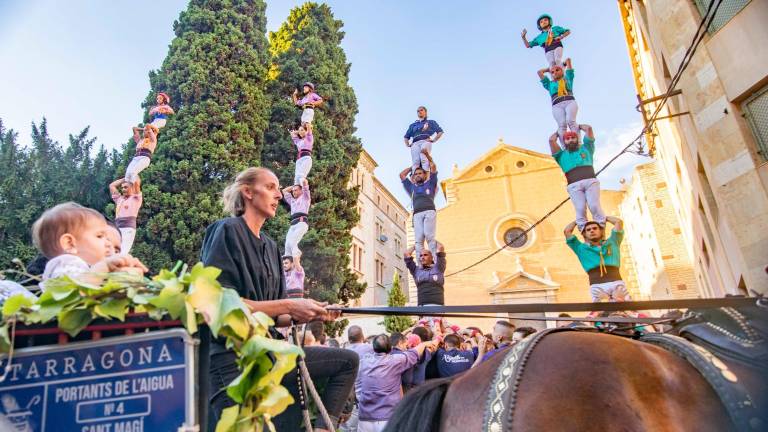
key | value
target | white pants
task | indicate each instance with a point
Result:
(159, 123)
(128, 235)
(294, 236)
(417, 157)
(554, 57)
(586, 193)
(564, 113)
(371, 426)
(615, 291)
(303, 165)
(424, 228)
(351, 424)
(307, 115)
(137, 165)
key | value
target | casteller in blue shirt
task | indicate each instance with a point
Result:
(422, 129)
(451, 360)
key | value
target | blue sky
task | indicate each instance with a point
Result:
(85, 62)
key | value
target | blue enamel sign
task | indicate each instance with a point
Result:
(140, 383)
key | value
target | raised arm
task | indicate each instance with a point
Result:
(554, 147)
(588, 132)
(408, 258)
(437, 137)
(568, 231)
(113, 187)
(305, 188)
(525, 39)
(564, 35)
(568, 64)
(137, 135)
(152, 136)
(432, 166)
(295, 96)
(440, 257)
(404, 173)
(618, 224)
(542, 72)
(287, 197)
(297, 263)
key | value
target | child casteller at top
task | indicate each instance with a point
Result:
(158, 114)
(550, 39)
(308, 102)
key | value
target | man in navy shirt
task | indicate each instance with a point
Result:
(420, 136)
(422, 187)
(451, 360)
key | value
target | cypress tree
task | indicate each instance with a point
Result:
(214, 74)
(396, 298)
(307, 48)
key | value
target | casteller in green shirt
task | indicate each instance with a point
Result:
(589, 256)
(583, 156)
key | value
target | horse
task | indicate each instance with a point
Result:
(574, 380)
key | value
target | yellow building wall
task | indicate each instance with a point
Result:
(511, 183)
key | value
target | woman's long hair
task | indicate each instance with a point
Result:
(232, 198)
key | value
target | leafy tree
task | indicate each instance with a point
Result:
(395, 298)
(307, 48)
(37, 178)
(214, 73)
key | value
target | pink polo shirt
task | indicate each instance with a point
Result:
(294, 283)
(312, 97)
(127, 206)
(304, 143)
(300, 204)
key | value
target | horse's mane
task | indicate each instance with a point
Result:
(421, 409)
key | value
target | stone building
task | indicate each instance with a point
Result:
(654, 237)
(712, 140)
(491, 201)
(378, 239)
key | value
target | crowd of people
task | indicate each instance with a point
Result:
(390, 365)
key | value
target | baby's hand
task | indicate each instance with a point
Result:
(120, 263)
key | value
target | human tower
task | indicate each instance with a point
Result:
(599, 257)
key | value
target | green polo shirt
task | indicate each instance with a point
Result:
(541, 39)
(551, 86)
(589, 256)
(584, 156)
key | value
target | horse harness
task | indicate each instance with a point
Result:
(502, 396)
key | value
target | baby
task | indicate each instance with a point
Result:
(75, 240)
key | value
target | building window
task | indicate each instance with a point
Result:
(489, 168)
(520, 164)
(379, 270)
(515, 237)
(398, 247)
(755, 110)
(727, 10)
(357, 257)
(659, 204)
(380, 235)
